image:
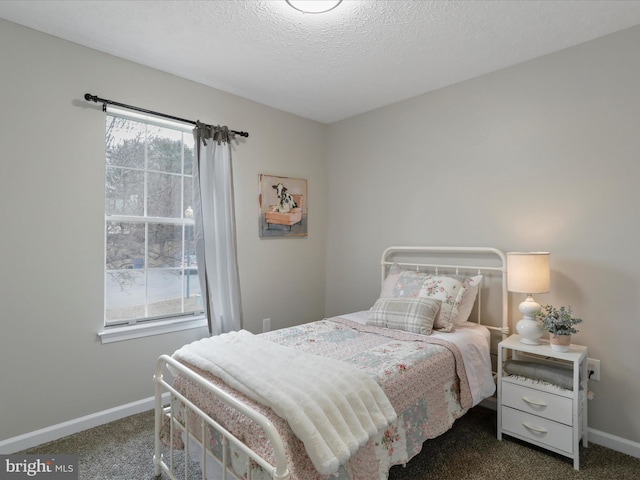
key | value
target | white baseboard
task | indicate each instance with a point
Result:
(55, 432)
(618, 444)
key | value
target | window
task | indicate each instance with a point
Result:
(151, 272)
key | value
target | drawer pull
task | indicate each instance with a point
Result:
(535, 429)
(533, 402)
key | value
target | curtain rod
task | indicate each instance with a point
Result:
(88, 97)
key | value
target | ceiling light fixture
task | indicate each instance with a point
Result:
(314, 6)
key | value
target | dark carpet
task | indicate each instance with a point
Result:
(123, 450)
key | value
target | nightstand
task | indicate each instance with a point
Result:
(540, 413)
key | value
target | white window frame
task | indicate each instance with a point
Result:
(143, 327)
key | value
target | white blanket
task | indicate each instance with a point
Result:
(333, 407)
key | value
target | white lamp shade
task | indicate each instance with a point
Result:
(528, 272)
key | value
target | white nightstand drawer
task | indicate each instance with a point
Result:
(536, 402)
(537, 429)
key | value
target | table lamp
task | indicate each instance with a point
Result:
(528, 272)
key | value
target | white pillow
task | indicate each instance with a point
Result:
(468, 298)
(415, 315)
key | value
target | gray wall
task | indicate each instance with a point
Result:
(541, 156)
(54, 368)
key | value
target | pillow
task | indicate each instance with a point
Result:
(409, 283)
(472, 285)
(415, 315)
(450, 292)
(390, 280)
(457, 297)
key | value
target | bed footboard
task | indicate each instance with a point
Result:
(166, 414)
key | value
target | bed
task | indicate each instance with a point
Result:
(367, 390)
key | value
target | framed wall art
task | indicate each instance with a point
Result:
(283, 206)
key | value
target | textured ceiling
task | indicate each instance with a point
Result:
(360, 56)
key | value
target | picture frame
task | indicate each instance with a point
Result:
(283, 206)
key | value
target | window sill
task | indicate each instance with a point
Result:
(119, 334)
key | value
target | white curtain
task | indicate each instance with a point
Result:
(215, 232)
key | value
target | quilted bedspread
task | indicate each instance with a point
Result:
(423, 378)
(332, 406)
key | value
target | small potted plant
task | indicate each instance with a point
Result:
(559, 322)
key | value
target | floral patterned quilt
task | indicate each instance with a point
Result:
(423, 377)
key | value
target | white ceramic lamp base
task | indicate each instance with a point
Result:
(529, 331)
(528, 327)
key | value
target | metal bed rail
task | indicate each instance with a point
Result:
(278, 471)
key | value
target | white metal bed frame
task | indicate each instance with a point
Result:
(279, 471)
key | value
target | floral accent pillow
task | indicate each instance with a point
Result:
(450, 292)
(415, 315)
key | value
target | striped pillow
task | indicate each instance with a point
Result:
(415, 315)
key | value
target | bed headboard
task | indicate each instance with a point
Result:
(491, 263)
